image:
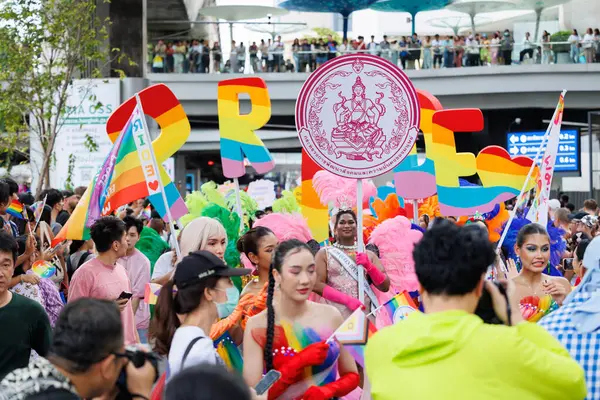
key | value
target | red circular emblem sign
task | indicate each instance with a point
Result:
(358, 116)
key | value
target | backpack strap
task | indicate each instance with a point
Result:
(83, 259)
(188, 349)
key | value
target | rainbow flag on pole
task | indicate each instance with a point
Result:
(398, 307)
(354, 333)
(15, 209)
(120, 181)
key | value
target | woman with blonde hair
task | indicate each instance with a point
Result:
(202, 233)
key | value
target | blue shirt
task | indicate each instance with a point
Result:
(583, 347)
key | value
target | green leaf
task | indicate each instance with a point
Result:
(44, 46)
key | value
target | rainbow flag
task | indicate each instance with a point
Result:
(147, 212)
(38, 207)
(399, 306)
(15, 209)
(120, 181)
(354, 333)
(151, 293)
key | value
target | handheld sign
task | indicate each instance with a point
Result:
(358, 117)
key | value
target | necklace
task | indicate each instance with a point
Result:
(344, 247)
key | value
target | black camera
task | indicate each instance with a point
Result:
(485, 307)
(138, 358)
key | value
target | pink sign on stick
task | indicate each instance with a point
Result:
(357, 116)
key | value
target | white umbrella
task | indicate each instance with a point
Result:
(277, 29)
(474, 7)
(235, 13)
(538, 6)
(456, 23)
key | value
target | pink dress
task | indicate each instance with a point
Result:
(340, 280)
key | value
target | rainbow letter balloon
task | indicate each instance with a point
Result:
(501, 175)
(237, 131)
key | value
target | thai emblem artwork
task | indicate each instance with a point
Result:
(358, 116)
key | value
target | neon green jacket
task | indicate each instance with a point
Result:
(454, 355)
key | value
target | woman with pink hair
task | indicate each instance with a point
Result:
(286, 226)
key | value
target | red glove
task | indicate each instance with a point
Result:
(339, 388)
(293, 369)
(376, 275)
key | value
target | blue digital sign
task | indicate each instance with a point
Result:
(528, 143)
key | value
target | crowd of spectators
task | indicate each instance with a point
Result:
(409, 52)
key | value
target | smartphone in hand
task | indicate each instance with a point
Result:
(267, 381)
(125, 295)
(567, 264)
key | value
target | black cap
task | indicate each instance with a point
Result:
(577, 216)
(202, 264)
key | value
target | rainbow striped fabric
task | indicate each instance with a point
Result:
(237, 131)
(120, 181)
(15, 209)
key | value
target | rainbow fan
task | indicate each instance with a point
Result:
(43, 269)
(533, 308)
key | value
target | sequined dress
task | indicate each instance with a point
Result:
(339, 279)
(288, 341)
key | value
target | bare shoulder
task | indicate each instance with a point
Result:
(321, 254)
(561, 280)
(372, 255)
(257, 321)
(327, 312)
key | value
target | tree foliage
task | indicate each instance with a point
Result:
(322, 33)
(44, 45)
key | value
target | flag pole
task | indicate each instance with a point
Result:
(359, 239)
(39, 217)
(238, 202)
(415, 204)
(535, 162)
(155, 165)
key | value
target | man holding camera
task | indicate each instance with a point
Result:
(86, 358)
(448, 352)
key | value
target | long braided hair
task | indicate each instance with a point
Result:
(283, 250)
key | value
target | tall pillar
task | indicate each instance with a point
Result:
(126, 32)
(180, 172)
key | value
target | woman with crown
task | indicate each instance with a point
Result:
(337, 265)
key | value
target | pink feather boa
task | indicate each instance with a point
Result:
(396, 242)
(341, 191)
(286, 226)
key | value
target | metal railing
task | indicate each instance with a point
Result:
(455, 55)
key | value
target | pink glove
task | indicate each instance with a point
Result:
(336, 296)
(376, 275)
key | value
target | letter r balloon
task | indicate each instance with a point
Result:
(238, 139)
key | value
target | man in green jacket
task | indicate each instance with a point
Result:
(448, 352)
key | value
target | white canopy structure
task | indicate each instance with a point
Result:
(474, 7)
(458, 22)
(242, 12)
(538, 6)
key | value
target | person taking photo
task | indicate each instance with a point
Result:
(448, 351)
